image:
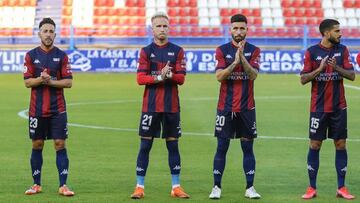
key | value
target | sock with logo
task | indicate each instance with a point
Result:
(62, 163)
(143, 160)
(313, 166)
(248, 162)
(220, 159)
(174, 161)
(36, 161)
(341, 166)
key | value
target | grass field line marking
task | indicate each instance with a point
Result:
(23, 114)
(352, 87)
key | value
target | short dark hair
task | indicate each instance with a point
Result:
(327, 25)
(238, 18)
(46, 21)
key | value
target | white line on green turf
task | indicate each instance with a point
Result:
(23, 114)
(352, 87)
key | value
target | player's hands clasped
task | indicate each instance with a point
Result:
(166, 72)
(45, 77)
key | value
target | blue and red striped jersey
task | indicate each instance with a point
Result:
(163, 96)
(46, 101)
(237, 91)
(327, 89)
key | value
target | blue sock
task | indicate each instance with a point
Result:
(174, 161)
(36, 161)
(341, 166)
(220, 160)
(62, 163)
(143, 160)
(248, 162)
(313, 166)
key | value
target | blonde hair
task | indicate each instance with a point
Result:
(159, 15)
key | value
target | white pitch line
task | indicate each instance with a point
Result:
(352, 87)
(23, 114)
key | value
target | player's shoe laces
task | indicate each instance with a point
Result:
(33, 190)
(344, 193)
(251, 193)
(215, 193)
(179, 192)
(310, 193)
(138, 193)
(64, 190)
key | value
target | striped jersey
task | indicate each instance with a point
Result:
(237, 91)
(327, 89)
(163, 96)
(46, 101)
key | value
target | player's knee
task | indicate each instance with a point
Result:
(172, 145)
(247, 146)
(340, 144)
(316, 145)
(37, 144)
(59, 144)
(223, 145)
(145, 145)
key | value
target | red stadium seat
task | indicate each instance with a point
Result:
(288, 12)
(194, 21)
(65, 2)
(281, 32)
(357, 4)
(67, 11)
(141, 3)
(299, 12)
(308, 3)
(192, 3)
(184, 21)
(172, 12)
(311, 21)
(348, 3)
(174, 21)
(256, 12)
(172, 3)
(183, 11)
(245, 12)
(319, 12)
(300, 21)
(309, 12)
(286, 3)
(290, 21)
(257, 21)
(225, 20)
(297, 3)
(193, 12)
(130, 3)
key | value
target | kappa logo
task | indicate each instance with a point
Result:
(171, 54)
(216, 172)
(36, 172)
(64, 172)
(177, 167)
(247, 54)
(310, 168)
(344, 169)
(228, 56)
(36, 61)
(319, 58)
(152, 55)
(56, 59)
(139, 169)
(251, 172)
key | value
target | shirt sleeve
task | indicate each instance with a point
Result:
(255, 59)
(143, 78)
(66, 72)
(347, 60)
(29, 67)
(219, 56)
(307, 68)
(180, 68)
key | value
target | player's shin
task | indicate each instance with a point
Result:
(143, 161)
(313, 166)
(248, 162)
(220, 160)
(341, 166)
(62, 163)
(36, 161)
(174, 162)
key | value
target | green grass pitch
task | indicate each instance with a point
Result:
(102, 160)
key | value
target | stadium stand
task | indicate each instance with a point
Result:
(189, 18)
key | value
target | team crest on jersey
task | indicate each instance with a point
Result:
(171, 53)
(247, 54)
(56, 59)
(337, 54)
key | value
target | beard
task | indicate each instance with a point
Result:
(48, 42)
(238, 38)
(334, 41)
